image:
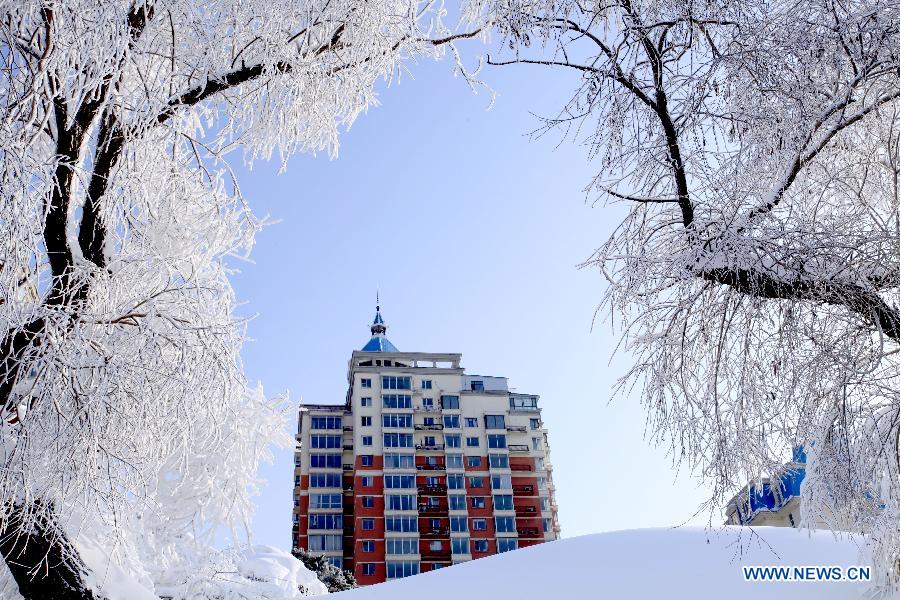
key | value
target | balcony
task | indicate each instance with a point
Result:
(432, 489)
(433, 427)
(442, 531)
(518, 428)
(529, 532)
(427, 409)
(436, 555)
(518, 448)
(348, 467)
(430, 447)
(521, 467)
(523, 489)
(432, 509)
(348, 446)
(525, 510)
(427, 467)
(348, 427)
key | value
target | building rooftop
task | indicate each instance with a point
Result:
(379, 343)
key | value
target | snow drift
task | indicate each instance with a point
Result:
(647, 564)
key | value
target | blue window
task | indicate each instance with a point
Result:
(401, 502)
(368, 546)
(398, 440)
(399, 461)
(391, 382)
(477, 502)
(472, 441)
(368, 501)
(496, 440)
(325, 441)
(325, 543)
(499, 461)
(367, 481)
(476, 482)
(326, 521)
(325, 461)
(366, 401)
(505, 524)
(479, 524)
(503, 503)
(325, 501)
(452, 441)
(399, 481)
(535, 424)
(396, 401)
(429, 402)
(450, 402)
(473, 461)
(426, 384)
(367, 440)
(459, 524)
(455, 482)
(477, 385)
(368, 524)
(325, 480)
(494, 422)
(456, 502)
(402, 546)
(326, 423)
(506, 544)
(396, 570)
(365, 421)
(460, 545)
(368, 569)
(471, 422)
(366, 460)
(336, 561)
(397, 420)
(366, 382)
(451, 421)
(454, 461)
(401, 524)
(501, 482)
(480, 545)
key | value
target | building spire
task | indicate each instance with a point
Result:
(378, 343)
(378, 326)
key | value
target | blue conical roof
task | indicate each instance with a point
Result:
(379, 343)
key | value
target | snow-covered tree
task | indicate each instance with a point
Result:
(756, 274)
(127, 423)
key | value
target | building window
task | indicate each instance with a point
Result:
(365, 421)
(479, 524)
(325, 441)
(501, 482)
(458, 524)
(507, 544)
(473, 461)
(325, 543)
(535, 443)
(499, 461)
(402, 546)
(399, 461)
(429, 441)
(539, 463)
(396, 570)
(325, 423)
(455, 482)
(542, 483)
(366, 460)
(365, 401)
(451, 421)
(401, 524)
(367, 440)
(496, 440)
(472, 442)
(368, 546)
(400, 502)
(477, 385)
(471, 422)
(426, 384)
(325, 480)
(452, 441)
(450, 402)
(368, 524)
(480, 545)
(476, 482)
(429, 402)
(535, 424)
(494, 422)
(391, 382)
(367, 481)
(435, 524)
(368, 501)
(454, 461)
(477, 501)
(325, 461)
(325, 501)
(544, 503)
(546, 523)
(505, 524)
(435, 546)
(398, 440)
(336, 561)
(326, 521)
(365, 382)
(399, 481)
(460, 545)
(368, 569)
(396, 401)
(456, 502)
(397, 420)
(503, 503)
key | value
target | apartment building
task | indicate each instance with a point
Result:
(421, 467)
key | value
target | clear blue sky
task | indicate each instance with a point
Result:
(473, 233)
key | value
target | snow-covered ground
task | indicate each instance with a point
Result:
(646, 564)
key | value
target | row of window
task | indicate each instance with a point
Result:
(411, 524)
(326, 422)
(326, 521)
(453, 461)
(393, 382)
(454, 481)
(325, 543)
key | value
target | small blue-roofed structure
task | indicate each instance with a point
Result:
(379, 343)
(772, 502)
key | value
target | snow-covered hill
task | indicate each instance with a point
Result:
(648, 564)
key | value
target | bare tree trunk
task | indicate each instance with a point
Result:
(44, 563)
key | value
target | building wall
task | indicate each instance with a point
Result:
(527, 478)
